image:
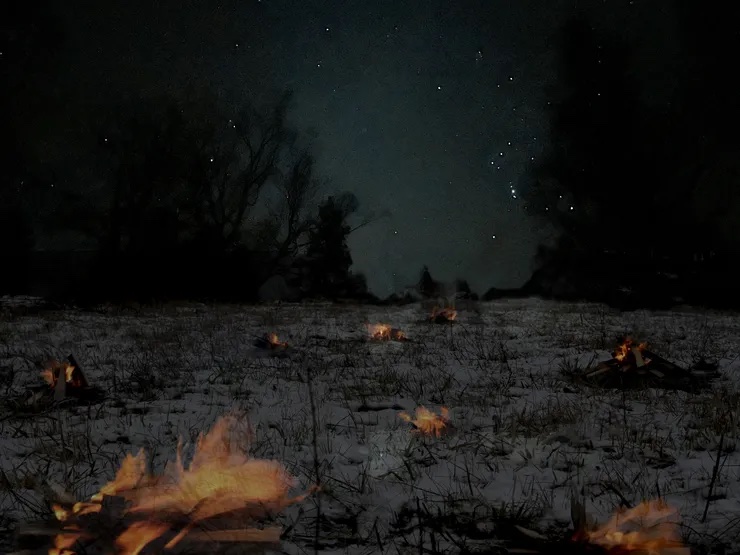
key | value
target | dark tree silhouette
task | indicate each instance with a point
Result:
(189, 158)
(426, 285)
(599, 182)
(328, 259)
(463, 290)
(594, 173)
(28, 39)
(705, 148)
(706, 142)
(182, 175)
(288, 221)
(639, 193)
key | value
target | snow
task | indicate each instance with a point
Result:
(523, 440)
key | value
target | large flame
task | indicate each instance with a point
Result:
(651, 528)
(220, 479)
(427, 422)
(623, 350)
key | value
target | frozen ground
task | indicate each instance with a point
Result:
(524, 440)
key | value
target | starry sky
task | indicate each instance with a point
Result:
(430, 111)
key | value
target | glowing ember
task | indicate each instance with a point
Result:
(427, 422)
(63, 543)
(443, 314)
(52, 373)
(275, 342)
(384, 332)
(220, 479)
(623, 350)
(651, 528)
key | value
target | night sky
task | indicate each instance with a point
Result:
(429, 111)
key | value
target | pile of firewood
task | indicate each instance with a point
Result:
(65, 383)
(445, 315)
(109, 529)
(634, 366)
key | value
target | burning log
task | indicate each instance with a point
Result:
(443, 315)
(426, 422)
(218, 498)
(384, 332)
(634, 366)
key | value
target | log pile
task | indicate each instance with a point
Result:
(66, 383)
(108, 529)
(634, 366)
(443, 315)
(649, 528)
(223, 500)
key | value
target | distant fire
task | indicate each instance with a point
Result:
(443, 314)
(185, 502)
(650, 528)
(626, 348)
(384, 332)
(275, 342)
(428, 423)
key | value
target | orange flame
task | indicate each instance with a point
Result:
(427, 422)
(384, 332)
(51, 374)
(443, 314)
(651, 527)
(275, 342)
(221, 478)
(64, 542)
(626, 347)
(136, 537)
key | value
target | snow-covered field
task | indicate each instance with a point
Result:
(523, 439)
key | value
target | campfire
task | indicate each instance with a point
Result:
(635, 366)
(63, 380)
(270, 341)
(73, 376)
(384, 332)
(650, 528)
(426, 422)
(217, 498)
(443, 315)
(628, 352)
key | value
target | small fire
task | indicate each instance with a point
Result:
(651, 528)
(52, 373)
(443, 314)
(384, 332)
(623, 350)
(275, 342)
(427, 422)
(220, 479)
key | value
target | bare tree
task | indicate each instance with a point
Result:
(297, 190)
(242, 167)
(188, 158)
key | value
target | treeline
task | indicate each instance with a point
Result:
(640, 179)
(176, 195)
(194, 202)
